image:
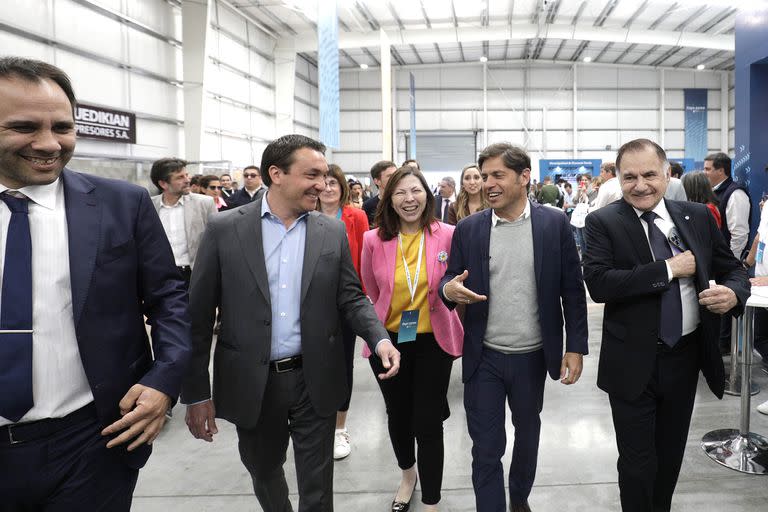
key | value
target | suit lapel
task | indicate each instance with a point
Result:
(430, 251)
(248, 228)
(83, 213)
(685, 229)
(313, 245)
(631, 224)
(390, 257)
(484, 245)
(538, 241)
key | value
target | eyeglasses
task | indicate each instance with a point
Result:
(250, 175)
(214, 187)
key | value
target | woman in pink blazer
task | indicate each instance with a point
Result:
(402, 263)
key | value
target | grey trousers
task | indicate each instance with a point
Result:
(286, 411)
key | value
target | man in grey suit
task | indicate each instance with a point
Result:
(282, 274)
(184, 215)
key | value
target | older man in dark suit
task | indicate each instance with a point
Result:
(651, 260)
(86, 259)
(282, 274)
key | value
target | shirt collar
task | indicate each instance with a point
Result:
(44, 195)
(495, 219)
(179, 202)
(266, 211)
(660, 210)
(718, 185)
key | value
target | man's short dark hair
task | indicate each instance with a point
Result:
(226, 174)
(163, 168)
(381, 166)
(280, 153)
(636, 145)
(675, 169)
(254, 167)
(720, 161)
(195, 180)
(513, 157)
(411, 161)
(31, 70)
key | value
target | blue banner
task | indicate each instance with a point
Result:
(328, 72)
(695, 123)
(568, 169)
(412, 97)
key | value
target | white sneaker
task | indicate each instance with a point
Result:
(341, 447)
(763, 407)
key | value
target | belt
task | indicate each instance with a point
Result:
(17, 433)
(286, 364)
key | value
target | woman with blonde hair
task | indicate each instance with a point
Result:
(471, 198)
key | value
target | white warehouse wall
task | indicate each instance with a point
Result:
(531, 105)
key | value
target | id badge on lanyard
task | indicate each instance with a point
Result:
(409, 320)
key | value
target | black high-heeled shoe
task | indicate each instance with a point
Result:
(403, 506)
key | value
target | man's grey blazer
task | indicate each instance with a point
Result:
(197, 209)
(231, 274)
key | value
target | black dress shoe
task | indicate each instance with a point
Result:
(402, 506)
(520, 507)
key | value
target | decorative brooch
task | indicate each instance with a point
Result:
(442, 256)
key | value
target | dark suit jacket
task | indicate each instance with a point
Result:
(558, 281)
(242, 197)
(619, 271)
(121, 270)
(369, 207)
(230, 273)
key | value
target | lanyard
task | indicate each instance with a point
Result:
(338, 214)
(411, 284)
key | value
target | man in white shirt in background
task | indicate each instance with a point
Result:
(675, 190)
(610, 189)
(735, 210)
(444, 196)
(184, 215)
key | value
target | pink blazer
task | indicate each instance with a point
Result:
(377, 267)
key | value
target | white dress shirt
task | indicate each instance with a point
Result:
(608, 192)
(172, 218)
(737, 219)
(688, 295)
(59, 384)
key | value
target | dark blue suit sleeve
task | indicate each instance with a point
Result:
(572, 293)
(164, 302)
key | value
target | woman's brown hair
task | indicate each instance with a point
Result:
(462, 200)
(387, 219)
(334, 171)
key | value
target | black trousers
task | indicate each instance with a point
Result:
(348, 337)
(652, 429)
(417, 405)
(286, 412)
(72, 469)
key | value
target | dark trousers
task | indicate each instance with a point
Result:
(761, 333)
(417, 405)
(517, 379)
(71, 469)
(652, 429)
(286, 411)
(348, 337)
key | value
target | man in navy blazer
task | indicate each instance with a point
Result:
(86, 260)
(512, 266)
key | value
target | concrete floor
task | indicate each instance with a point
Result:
(577, 457)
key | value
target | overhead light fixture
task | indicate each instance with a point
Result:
(363, 66)
(587, 59)
(483, 59)
(700, 67)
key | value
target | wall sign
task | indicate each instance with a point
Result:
(105, 124)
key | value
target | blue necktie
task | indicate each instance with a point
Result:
(16, 314)
(671, 319)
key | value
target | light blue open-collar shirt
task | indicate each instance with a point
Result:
(284, 259)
